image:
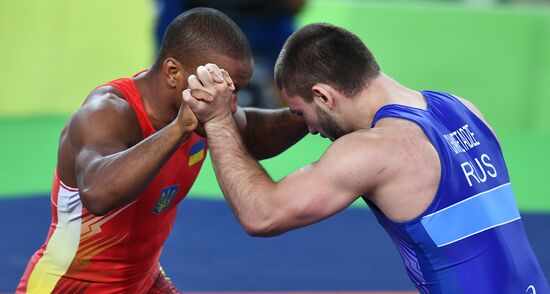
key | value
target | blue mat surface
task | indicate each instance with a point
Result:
(209, 251)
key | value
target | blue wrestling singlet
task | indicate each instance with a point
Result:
(471, 238)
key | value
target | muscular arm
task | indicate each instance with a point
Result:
(266, 132)
(109, 170)
(315, 192)
(265, 207)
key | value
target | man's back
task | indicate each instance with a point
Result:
(467, 236)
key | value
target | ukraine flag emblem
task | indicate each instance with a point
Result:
(196, 153)
(166, 196)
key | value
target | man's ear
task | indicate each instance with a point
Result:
(324, 93)
(173, 72)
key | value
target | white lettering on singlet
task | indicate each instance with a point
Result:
(477, 170)
(480, 170)
(462, 139)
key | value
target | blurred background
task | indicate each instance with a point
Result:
(53, 53)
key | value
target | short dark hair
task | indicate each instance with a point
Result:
(324, 53)
(199, 31)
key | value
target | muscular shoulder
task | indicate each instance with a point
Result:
(392, 147)
(105, 100)
(361, 144)
(364, 143)
(358, 157)
(104, 114)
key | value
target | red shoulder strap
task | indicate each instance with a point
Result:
(131, 93)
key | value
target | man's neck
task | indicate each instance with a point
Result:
(158, 99)
(381, 91)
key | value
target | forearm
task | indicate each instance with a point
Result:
(111, 181)
(244, 183)
(270, 132)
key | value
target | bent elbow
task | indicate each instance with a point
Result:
(263, 234)
(262, 229)
(97, 211)
(94, 203)
(277, 222)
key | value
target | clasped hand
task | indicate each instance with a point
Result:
(210, 93)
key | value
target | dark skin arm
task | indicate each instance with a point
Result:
(269, 132)
(99, 151)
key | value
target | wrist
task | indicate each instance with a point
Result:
(219, 121)
(179, 129)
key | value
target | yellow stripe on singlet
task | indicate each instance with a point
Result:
(61, 247)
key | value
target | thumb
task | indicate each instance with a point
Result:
(188, 117)
(190, 101)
